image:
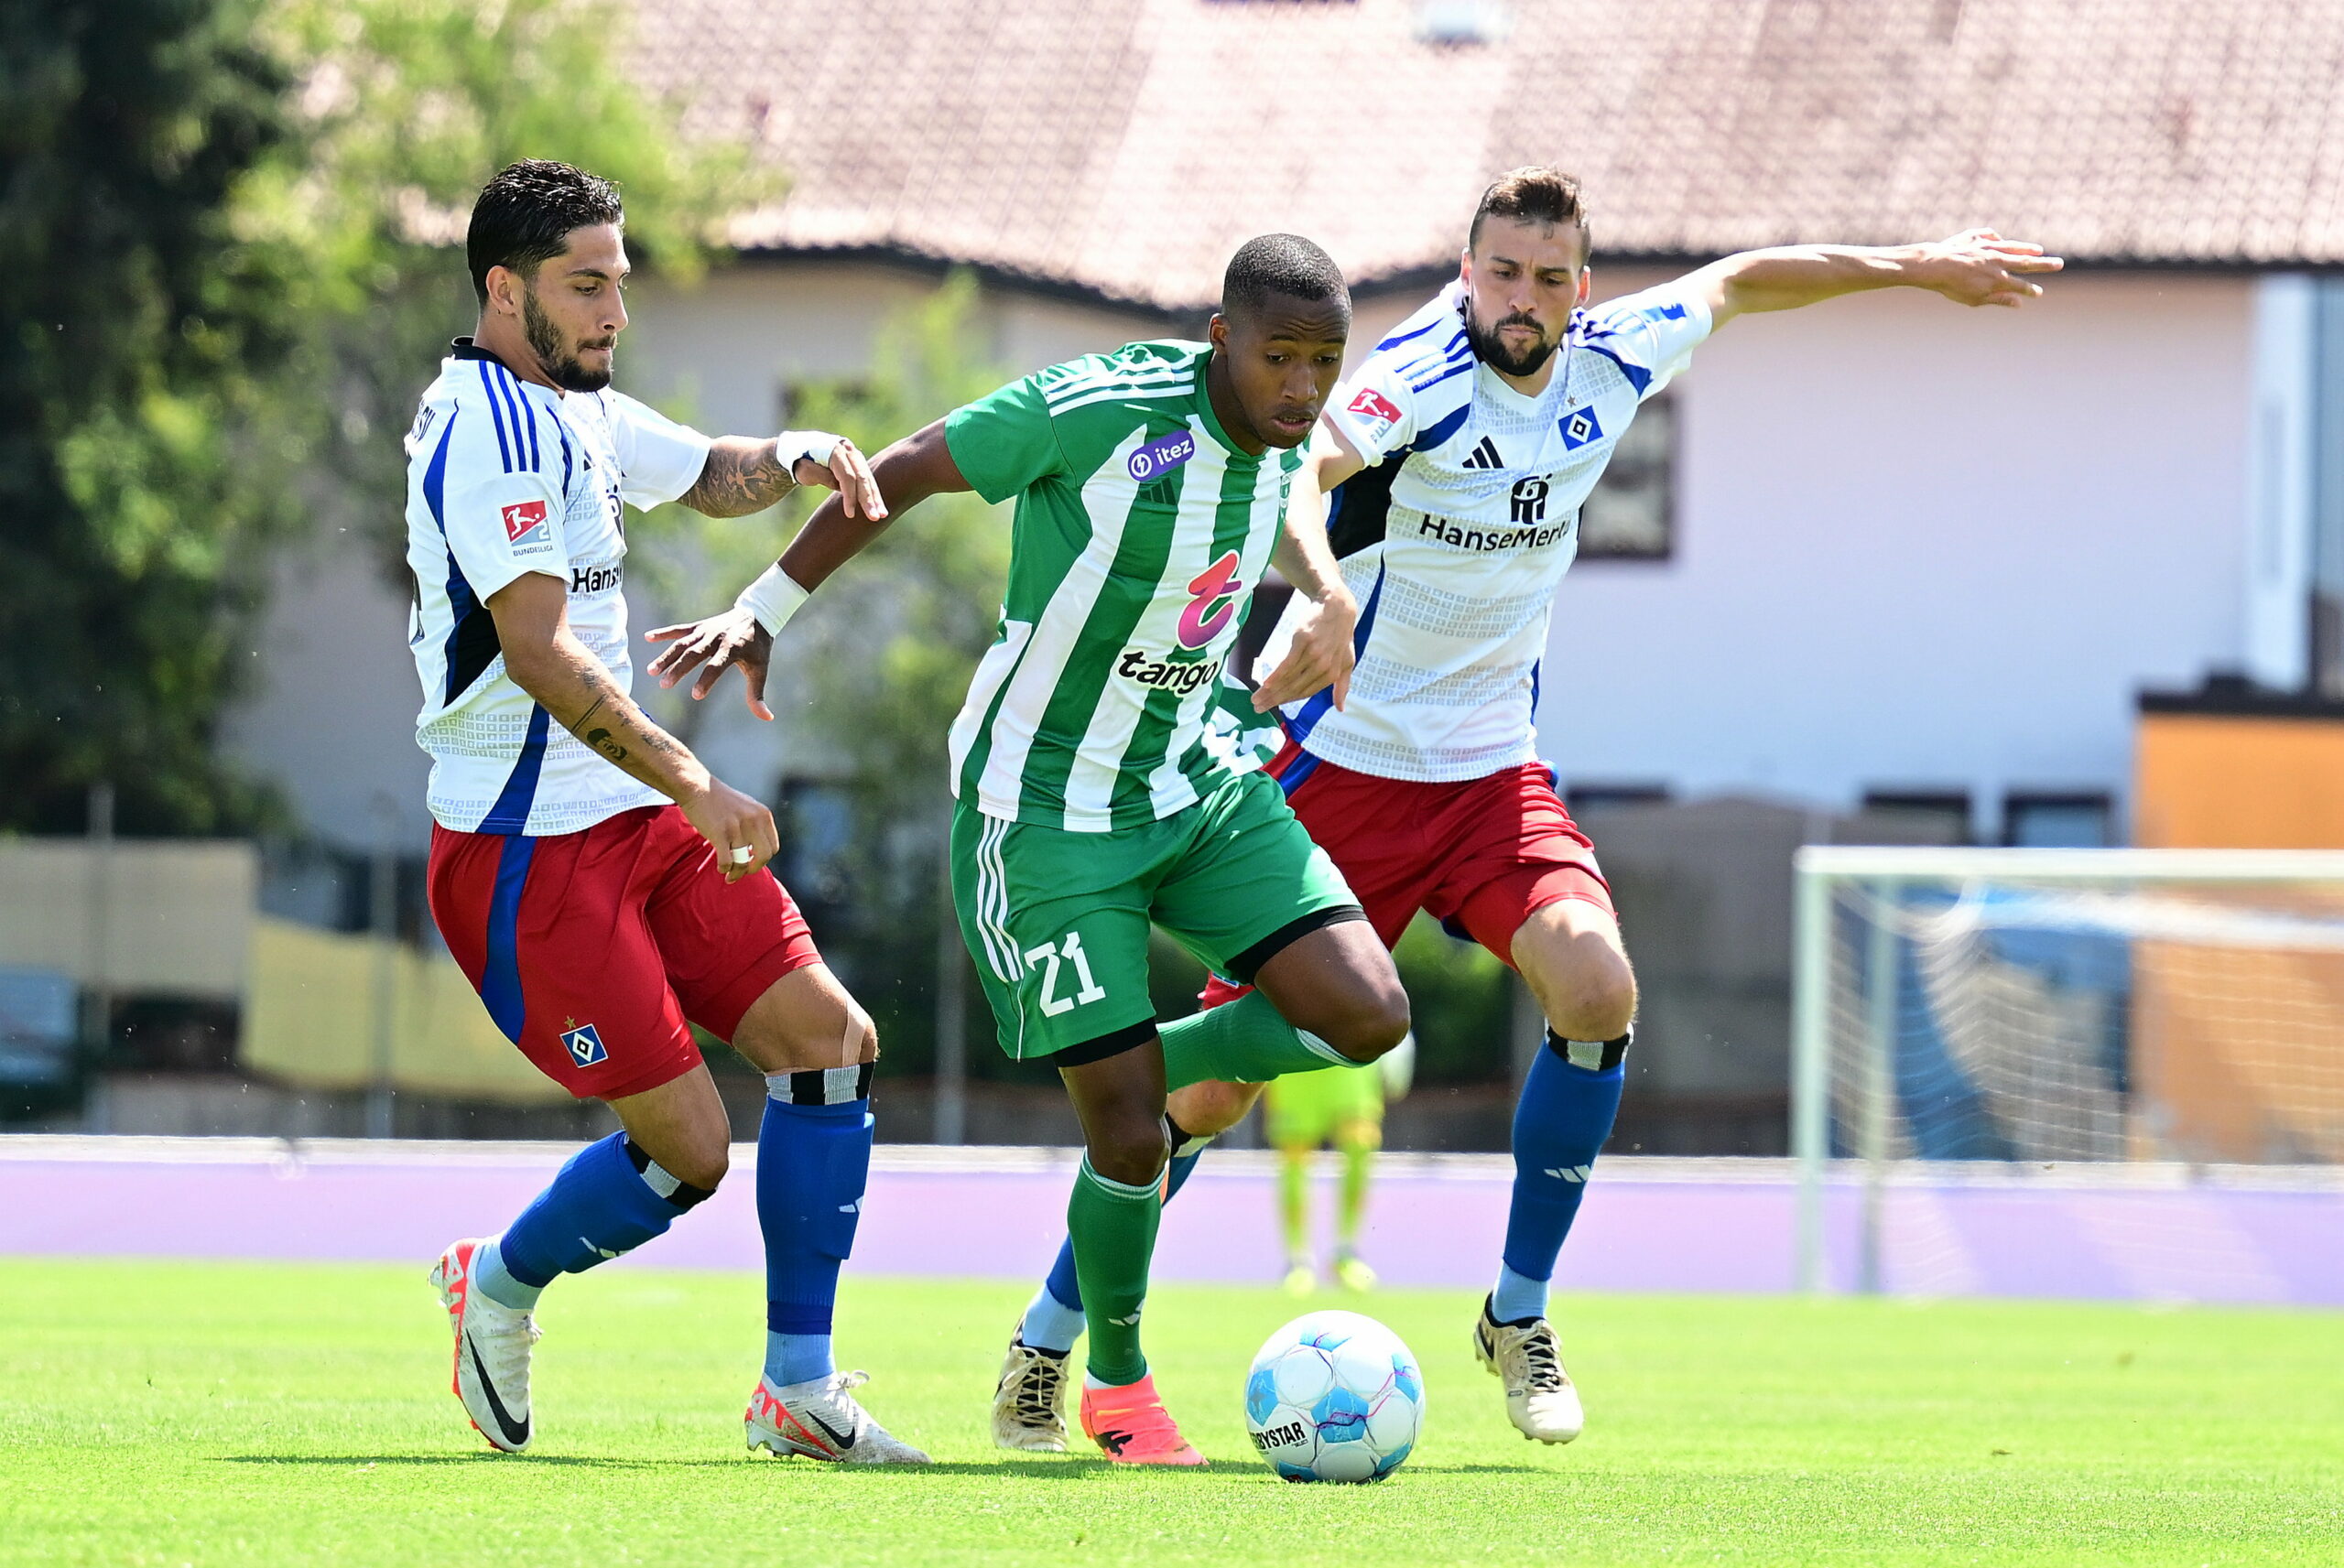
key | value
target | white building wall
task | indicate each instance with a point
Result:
(1924, 546)
(1917, 545)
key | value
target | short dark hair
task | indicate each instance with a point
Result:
(1539, 194)
(524, 216)
(1286, 265)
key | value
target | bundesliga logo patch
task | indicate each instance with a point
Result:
(1375, 408)
(585, 1046)
(1162, 455)
(525, 527)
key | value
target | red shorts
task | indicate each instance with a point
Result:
(1480, 855)
(593, 949)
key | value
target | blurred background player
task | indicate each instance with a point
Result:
(1094, 795)
(1343, 1108)
(1458, 456)
(599, 887)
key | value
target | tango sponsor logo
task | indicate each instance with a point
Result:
(594, 579)
(1162, 455)
(1459, 536)
(1183, 677)
(1279, 1436)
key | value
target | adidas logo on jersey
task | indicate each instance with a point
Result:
(1485, 455)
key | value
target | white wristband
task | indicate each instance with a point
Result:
(792, 444)
(773, 598)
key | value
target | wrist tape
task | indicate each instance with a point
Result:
(792, 444)
(773, 598)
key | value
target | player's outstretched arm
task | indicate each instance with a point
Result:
(1321, 653)
(912, 469)
(1976, 267)
(744, 475)
(545, 659)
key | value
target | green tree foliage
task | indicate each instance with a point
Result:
(230, 257)
(139, 474)
(407, 107)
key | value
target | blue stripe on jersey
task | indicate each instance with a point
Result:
(500, 977)
(562, 431)
(461, 605)
(1395, 340)
(1455, 367)
(496, 412)
(1443, 430)
(1304, 722)
(1638, 377)
(511, 812)
(517, 401)
(1534, 666)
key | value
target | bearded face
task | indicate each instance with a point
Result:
(559, 353)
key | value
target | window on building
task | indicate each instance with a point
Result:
(1632, 515)
(2054, 819)
(1922, 815)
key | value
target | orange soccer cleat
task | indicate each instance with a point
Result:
(1131, 1426)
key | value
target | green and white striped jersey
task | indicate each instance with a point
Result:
(1140, 534)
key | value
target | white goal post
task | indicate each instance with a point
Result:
(2056, 1010)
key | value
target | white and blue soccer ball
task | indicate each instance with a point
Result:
(1334, 1396)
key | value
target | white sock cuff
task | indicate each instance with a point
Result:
(1112, 1188)
(1318, 1048)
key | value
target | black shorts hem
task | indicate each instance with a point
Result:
(1246, 965)
(1115, 1044)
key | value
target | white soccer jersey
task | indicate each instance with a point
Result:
(506, 477)
(1457, 534)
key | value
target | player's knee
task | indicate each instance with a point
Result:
(1128, 1149)
(1599, 1000)
(700, 1161)
(1211, 1106)
(1374, 1020)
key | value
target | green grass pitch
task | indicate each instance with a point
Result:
(172, 1413)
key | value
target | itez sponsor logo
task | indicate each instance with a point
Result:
(1183, 677)
(1214, 603)
(525, 527)
(594, 579)
(1458, 536)
(1162, 455)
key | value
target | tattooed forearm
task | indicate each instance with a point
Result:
(624, 736)
(741, 476)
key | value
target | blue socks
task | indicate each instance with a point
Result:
(609, 1199)
(1569, 1103)
(1054, 1320)
(813, 1161)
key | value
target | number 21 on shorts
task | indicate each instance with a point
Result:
(1050, 955)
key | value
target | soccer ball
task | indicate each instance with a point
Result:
(1334, 1396)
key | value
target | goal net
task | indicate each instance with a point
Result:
(2115, 1017)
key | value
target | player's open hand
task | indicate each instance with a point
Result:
(730, 640)
(1980, 267)
(1319, 657)
(848, 472)
(731, 822)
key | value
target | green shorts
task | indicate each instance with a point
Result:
(1058, 921)
(1303, 1110)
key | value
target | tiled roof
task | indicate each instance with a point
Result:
(1125, 146)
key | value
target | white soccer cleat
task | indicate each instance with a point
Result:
(821, 1420)
(493, 1342)
(1540, 1398)
(1029, 1402)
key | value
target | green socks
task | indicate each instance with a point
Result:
(1113, 1225)
(1293, 1204)
(1358, 1159)
(1242, 1042)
